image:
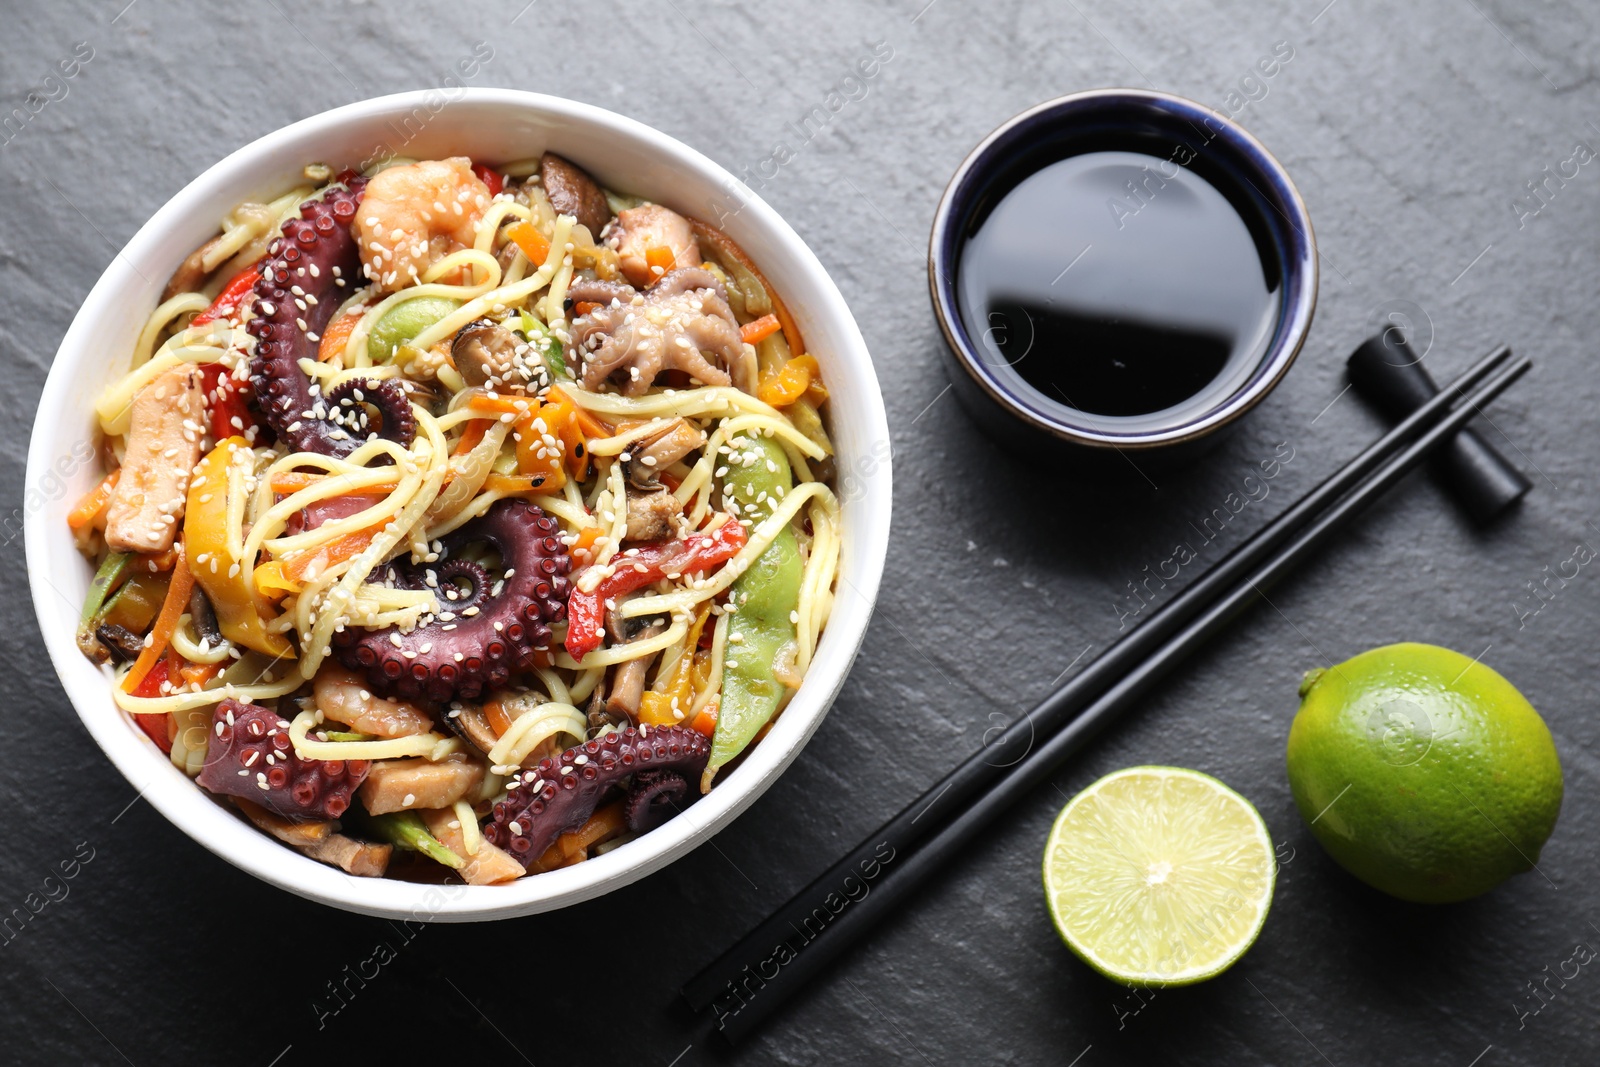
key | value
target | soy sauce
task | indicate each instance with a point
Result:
(1117, 283)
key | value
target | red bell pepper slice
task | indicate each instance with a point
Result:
(228, 301)
(490, 177)
(695, 553)
(156, 726)
(225, 401)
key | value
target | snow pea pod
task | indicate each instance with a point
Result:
(401, 323)
(761, 633)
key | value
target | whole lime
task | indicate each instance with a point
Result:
(1422, 772)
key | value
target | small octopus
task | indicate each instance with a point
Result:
(670, 326)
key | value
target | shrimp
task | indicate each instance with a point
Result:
(414, 215)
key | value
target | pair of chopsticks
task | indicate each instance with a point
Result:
(765, 969)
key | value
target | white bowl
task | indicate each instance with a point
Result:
(495, 125)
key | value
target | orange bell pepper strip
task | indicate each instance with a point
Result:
(167, 621)
(790, 383)
(91, 508)
(534, 245)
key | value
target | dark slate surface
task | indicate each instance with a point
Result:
(1412, 134)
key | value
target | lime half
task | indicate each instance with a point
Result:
(1159, 876)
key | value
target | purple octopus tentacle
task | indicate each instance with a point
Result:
(482, 636)
(308, 273)
(560, 794)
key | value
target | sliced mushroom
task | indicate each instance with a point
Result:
(404, 784)
(489, 356)
(639, 229)
(191, 275)
(573, 192)
(653, 516)
(627, 679)
(165, 428)
(597, 715)
(647, 458)
(203, 618)
(123, 644)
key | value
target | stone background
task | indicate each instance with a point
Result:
(1412, 130)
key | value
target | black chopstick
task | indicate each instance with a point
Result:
(758, 974)
(955, 790)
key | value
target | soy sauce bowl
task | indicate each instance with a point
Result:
(1183, 134)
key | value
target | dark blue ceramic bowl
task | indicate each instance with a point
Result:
(1228, 157)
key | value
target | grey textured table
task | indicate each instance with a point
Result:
(1413, 135)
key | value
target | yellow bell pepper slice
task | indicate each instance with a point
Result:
(242, 612)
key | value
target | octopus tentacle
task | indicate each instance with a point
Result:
(482, 636)
(653, 798)
(561, 792)
(307, 274)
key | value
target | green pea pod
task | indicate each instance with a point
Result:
(760, 632)
(111, 572)
(404, 321)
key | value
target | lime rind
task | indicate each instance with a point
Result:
(1159, 876)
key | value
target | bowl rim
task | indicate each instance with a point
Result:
(219, 829)
(1300, 269)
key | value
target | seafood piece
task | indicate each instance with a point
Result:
(165, 428)
(560, 794)
(398, 784)
(640, 229)
(483, 632)
(636, 337)
(309, 272)
(249, 755)
(416, 214)
(343, 697)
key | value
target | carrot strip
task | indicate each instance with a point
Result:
(499, 721)
(502, 405)
(514, 483)
(581, 308)
(337, 336)
(534, 245)
(161, 633)
(471, 436)
(659, 257)
(286, 482)
(93, 503)
(335, 552)
(573, 847)
(706, 721)
(759, 330)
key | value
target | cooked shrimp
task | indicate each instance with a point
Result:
(414, 215)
